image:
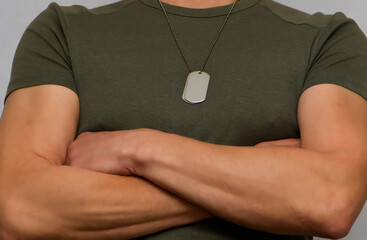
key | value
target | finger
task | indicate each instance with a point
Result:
(289, 142)
(83, 134)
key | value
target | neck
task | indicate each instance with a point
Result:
(198, 3)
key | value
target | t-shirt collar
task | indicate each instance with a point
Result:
(205, 12)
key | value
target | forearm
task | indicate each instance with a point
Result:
(62, 202)
(275, 189)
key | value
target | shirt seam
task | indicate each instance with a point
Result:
(290, 22)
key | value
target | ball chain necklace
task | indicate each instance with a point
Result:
(197, 82)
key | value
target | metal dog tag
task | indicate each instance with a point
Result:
(196, 87)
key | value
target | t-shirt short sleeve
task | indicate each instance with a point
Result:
(42, 56)
(340, 56)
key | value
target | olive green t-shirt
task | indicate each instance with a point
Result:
(123, 63)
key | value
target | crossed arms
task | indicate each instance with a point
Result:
(318, 188)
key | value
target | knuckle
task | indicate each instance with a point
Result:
(83, 134)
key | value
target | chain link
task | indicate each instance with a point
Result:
(212, 47)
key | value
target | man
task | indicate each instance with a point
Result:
(232, 167)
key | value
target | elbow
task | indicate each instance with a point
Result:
(19, 220)
(333, 217)
(7, 225)
(13, 224)
(336, 228)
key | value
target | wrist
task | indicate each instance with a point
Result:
(129, 154)
(152, 147)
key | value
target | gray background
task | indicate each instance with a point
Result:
(15, 15)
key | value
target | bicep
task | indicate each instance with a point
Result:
(333, 119)
(38, 121)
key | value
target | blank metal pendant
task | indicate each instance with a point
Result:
(196, 87)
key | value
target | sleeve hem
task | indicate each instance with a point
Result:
(14, 88)
(360, 92)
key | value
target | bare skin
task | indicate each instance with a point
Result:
(39, 124)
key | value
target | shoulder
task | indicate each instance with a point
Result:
(293, 16)
(56, 18)
(56, 9)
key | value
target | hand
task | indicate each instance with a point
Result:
(107, 152)
(289, 142)
(115, 152)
